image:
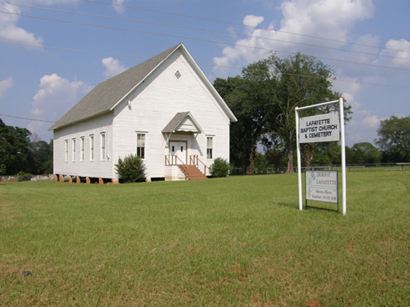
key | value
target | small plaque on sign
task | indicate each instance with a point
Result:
(321, 186)
(319, 128)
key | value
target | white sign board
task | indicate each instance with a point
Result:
(319, 128)
(321, 186)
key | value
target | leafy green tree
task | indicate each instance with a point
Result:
(261, 161)
(15, 153)
(325, 154)
(364, 153)
(42, 155)
(394, 139)
(242, 132)
(301, 80)
(264, 98)
(249, 96)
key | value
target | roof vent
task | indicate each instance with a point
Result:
(177, 74)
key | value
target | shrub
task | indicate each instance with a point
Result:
(219, 168)
(131, 169)
(23, 176)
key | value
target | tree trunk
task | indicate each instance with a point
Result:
(251, 167)
(290, 161)
(307, 155)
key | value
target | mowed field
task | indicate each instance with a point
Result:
(233, 241)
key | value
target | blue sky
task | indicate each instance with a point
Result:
(53, 52)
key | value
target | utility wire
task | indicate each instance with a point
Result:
(208, 19)
(238, 67)
(26, 118)
(99, 26)
(139, 20)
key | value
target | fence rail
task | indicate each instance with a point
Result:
(403, 166)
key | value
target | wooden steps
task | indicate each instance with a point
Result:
(191, 172)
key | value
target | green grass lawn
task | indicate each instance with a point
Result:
(234, 241)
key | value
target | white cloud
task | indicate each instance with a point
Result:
(118, 6)
(332, 19)
(363, 125)
(5, 85)
(303, 24)
(349, 88)
(54, 97)
(399, 50)
(371, 121)
(11, 33)
(112, 66)
(252, 21)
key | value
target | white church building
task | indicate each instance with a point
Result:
(165, 110)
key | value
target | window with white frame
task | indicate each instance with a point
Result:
(141, 145)
(103, 152)
(66, 150)
(82, 148)
(73, 149)
(91, 147)
(209, 147)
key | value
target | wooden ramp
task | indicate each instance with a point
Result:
(191, 172)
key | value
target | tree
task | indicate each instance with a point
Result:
(19, 154)
(15, 154)
(326, 154)
(301, 80)
(42, 155)
(249, 96)
(264, 98)
(364, 153)
(394, 139)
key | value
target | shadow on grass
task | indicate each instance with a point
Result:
(335, 210)
(293, 206)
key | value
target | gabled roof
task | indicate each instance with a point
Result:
(178, 120)
(108, 94)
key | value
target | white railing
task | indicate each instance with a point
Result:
(174, 160)
(171, 160)
(194, 160)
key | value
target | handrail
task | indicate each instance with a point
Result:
(203, 165)
(196, 161)
(193, 159)
(182, 162)
(172, 160)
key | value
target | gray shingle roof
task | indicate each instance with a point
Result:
(177, 120)
(106, 94)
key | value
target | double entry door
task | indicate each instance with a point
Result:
(179, 149)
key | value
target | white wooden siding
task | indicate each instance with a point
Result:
(96, 168)
(187, 125)
(154, 104)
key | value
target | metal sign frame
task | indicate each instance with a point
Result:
(337, 187)
(343, 150)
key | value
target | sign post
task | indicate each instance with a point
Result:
(299, 161)
(322, 128)
(342, 124)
